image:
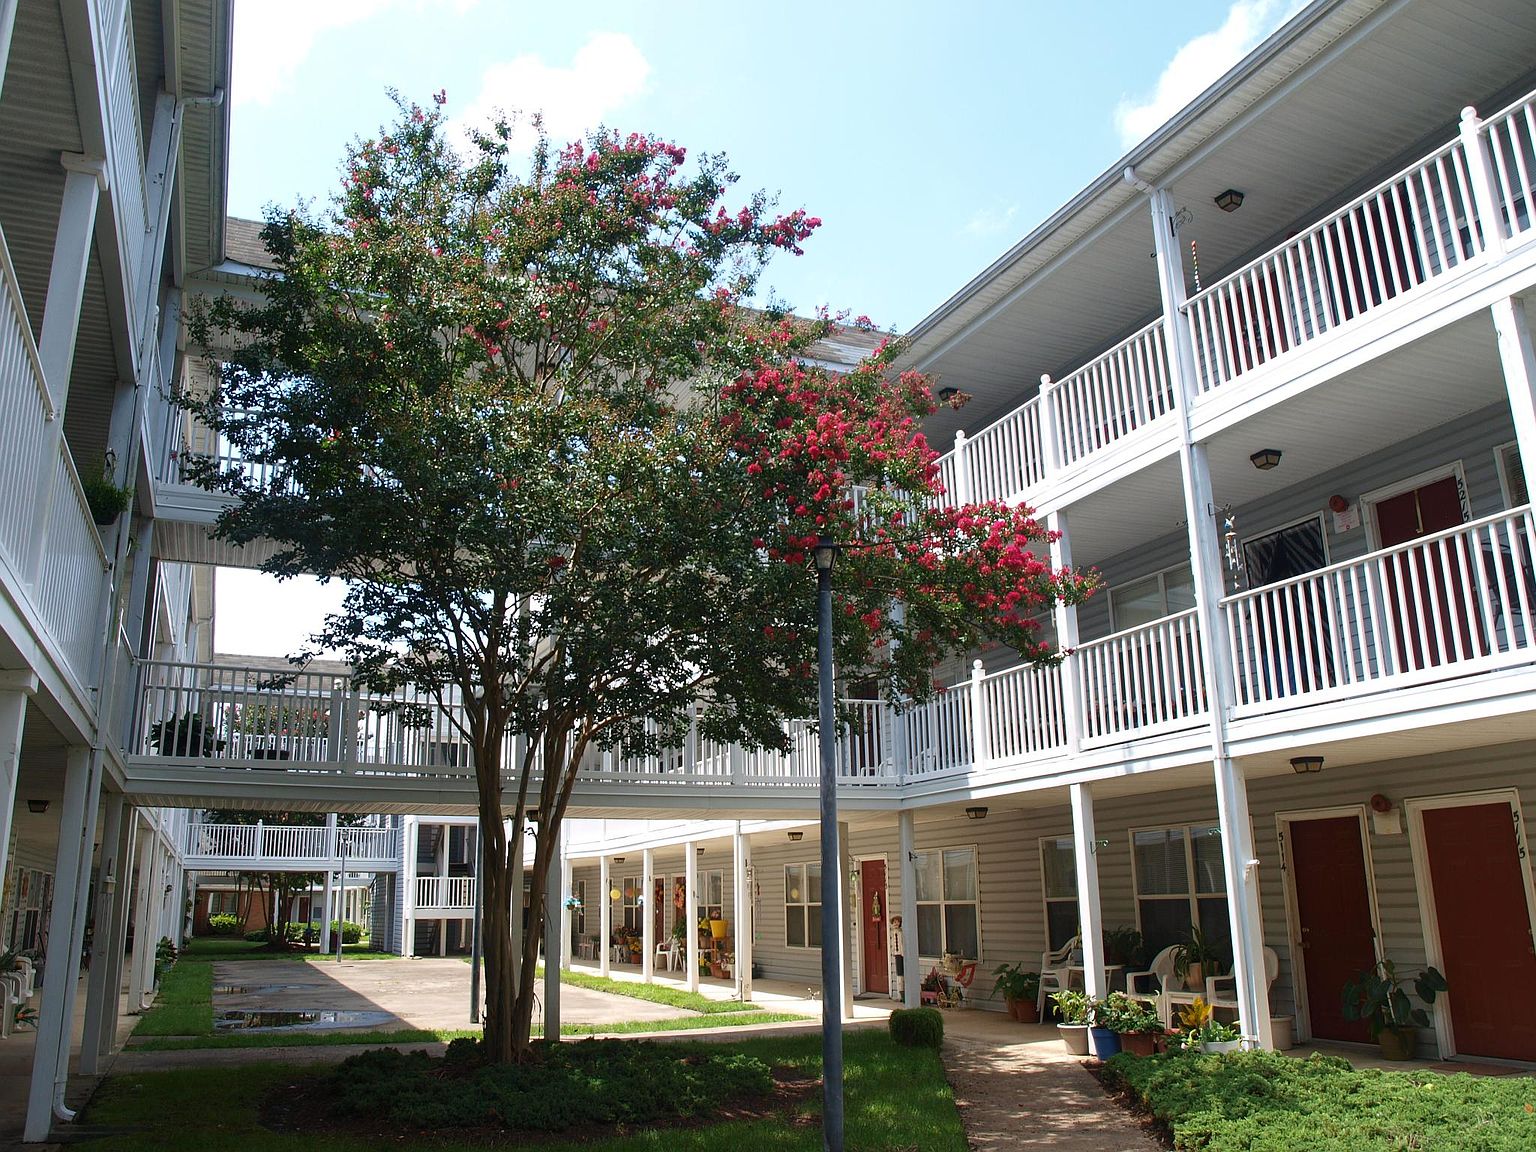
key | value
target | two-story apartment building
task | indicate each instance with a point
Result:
(113, 135)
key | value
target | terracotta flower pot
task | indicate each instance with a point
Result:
(1025, 1011)
(1139, 1043)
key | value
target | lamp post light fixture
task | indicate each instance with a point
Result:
(824, 554)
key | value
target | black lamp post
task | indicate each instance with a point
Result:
(831, 910)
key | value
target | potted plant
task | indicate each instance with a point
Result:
(1194, 959)
(1103, 1018)
(932, 987)
(1020, 990)
(1072, 1008)
(1122, 945)
(184, 735)
(103, 497)
(1137, 1025)
(1379, 997)
(1202, 1032)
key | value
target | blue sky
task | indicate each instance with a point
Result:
(928, 137)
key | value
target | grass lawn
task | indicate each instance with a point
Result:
(897, 1100)
(656, 993)
(184, 1006)
(1267, 1102)
(238, 948)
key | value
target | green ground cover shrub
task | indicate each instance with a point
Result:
(591, 1082)
(917, 1027)
(1269, 1102)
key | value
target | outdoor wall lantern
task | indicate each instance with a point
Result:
(1265, 459)
(1304, 764)
(796, 836)
(37, 807)
(700, 851)
(1230, 200)
(952, 396)
(979, 812)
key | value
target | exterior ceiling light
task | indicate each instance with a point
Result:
(1230, 200)
(955, 398)
(618, 859)
(1302, 765)
(796, 836)
(978, 812)
(1265, 459)
(37, 807)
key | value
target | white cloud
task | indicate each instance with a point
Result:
(991, 220)
(1200, 62)
(273, 38)
(607, 73)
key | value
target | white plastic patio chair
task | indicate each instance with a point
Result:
(1054, 970)
(667, 954)
(1157, 984)
(1221, 991)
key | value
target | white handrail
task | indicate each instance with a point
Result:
(1141, 679)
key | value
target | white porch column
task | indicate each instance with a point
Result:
(1512, 326)
(691, 912)
(1066, 637)
(1089, 913)
(101, 995)
(843, 893)
(567, 915)
(325, 914)
(912, 977)
(605, 921)
(117, 945)
(408, 848)
(1200, 508)
(143, 879)
(648, 912)
(14, 690)
(741, 914)
(66, 929)
(554, 898)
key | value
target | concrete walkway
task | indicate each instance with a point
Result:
(1016, 1087)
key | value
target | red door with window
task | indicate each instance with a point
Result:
(1426, 590)
(1326, 857)
(873, 926)
(1477, 871)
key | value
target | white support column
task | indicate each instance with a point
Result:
(409, 831)
(691, 912)
(567, 915)
(1480, 173)
(844, 895)
(604, 921)
(648, 910)
(143, 881)
(1090, 914)
(912, 977)
(325, 915)
(117, 945)
(13, 720)
(741, 914)
(554, 898)
(962, 492)
(1066, 637)
(981, 736)
(1512, 327)
(66, 928)
(101, 996)
(1238, 857)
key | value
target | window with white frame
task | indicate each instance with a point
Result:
(1058, 864)
(1180, 882)
(948, 913)
(630, 892)
(712, 893)
(1150, 598)
(802, 905)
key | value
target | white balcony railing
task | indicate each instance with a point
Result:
(1004, 458)
(455, 892)
(1142, 680)
(28, 408)
(1106, 400)
(276, 843)
(70, 581)
(940, 735)
(1413, 229)
(1025, 711)
(125, 136)
(1512, 146)
(1455, 602)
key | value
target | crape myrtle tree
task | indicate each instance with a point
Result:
(572, 484)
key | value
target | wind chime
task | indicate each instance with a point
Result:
(1231, 552)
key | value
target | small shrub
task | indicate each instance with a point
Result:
(224, 924)
(259, 936)
(918, 1027)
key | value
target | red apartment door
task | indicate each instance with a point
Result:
(873, 920)
(659, 911)
(1333, 913)
(1488, 954)
(1426, 594)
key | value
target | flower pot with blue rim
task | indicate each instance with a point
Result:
(1104, 1042)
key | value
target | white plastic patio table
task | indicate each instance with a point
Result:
(1076, 974)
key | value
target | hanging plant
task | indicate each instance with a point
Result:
(102, 496)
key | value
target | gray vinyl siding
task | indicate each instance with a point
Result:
(669, 862)
(1471, 440)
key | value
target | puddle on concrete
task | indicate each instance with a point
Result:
(259, 989)
(228, 990)
(288, 1021)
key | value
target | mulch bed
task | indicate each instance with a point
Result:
(304, 1107)
(1150, 1124)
